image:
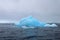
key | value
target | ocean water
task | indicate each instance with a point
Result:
(8, 31)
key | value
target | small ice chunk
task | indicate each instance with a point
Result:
(50, 25)
(54, 25)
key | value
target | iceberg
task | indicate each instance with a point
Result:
(50, 25)
(30, 22)
(54, 25)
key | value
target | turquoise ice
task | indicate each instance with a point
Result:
(30, 22)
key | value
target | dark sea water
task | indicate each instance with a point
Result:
(8, 31)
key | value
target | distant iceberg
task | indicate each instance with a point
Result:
(50, 25)
(54, 25)
(30, 22)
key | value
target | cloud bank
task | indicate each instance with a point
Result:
(43, 10)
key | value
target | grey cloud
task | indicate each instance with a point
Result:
(44, 10)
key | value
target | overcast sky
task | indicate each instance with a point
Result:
(43, 10)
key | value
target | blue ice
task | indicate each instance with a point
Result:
(30, 22)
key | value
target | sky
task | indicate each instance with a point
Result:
(43, 10)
